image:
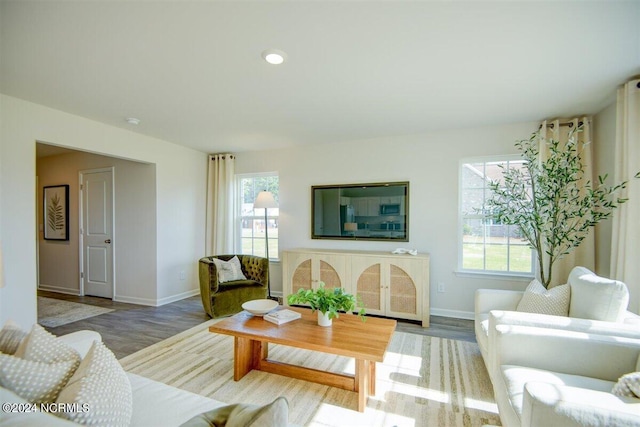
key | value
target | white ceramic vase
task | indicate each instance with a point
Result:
(323, 319)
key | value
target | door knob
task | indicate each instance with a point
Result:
(108, 241)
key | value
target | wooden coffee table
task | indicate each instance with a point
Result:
(349, 336)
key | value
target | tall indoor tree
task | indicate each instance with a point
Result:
(547, 201)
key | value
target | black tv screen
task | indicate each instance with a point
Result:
(378, 211)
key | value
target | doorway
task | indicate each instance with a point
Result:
(61, 264)
(96, 232)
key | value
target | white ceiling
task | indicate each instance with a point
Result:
(193, 74)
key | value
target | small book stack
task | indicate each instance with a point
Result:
(282, 316)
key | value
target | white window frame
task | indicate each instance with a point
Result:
(239, 217)
(461, 271)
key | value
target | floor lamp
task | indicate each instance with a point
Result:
(266, 201)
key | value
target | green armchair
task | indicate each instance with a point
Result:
(223, 299)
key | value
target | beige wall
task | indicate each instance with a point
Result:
(134, 223)
(180, 202)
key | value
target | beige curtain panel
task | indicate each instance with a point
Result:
(559, 130)
(220, 230)
(625, 241)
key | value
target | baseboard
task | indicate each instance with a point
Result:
(453, 313)
(136, 300)
(178, 297)
(159, 302)
(58, 289)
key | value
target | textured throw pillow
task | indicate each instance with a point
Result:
(42, 346)
(100, 385)
(41, 366)
(275, 414)
(537, 299)
(10, 337)
(229, 270)
(628, 385)
(597, 298)
(36, 382)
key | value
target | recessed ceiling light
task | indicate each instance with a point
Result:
(274, 56)
(133, 121)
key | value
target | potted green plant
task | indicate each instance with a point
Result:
(327, 302)
(547, 201)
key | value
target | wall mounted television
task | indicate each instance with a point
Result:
(371, 211)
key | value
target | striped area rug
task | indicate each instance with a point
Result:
(423, 381)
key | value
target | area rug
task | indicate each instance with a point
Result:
(54, 312)
(423, 381)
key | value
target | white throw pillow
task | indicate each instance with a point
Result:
(597, 298)
(36, 382)
(41, 367)
(537, 299)
(229, 270)
(42, 346)
(628, 385)
(100, 391)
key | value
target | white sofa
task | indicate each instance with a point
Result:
(559, 370)
(154, 403)
(495, 307)
(552, 377)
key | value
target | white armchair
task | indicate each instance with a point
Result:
(559, 370)
(552, 377)
(598, 305)
(485, 301)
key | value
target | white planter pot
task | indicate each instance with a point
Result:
(323, 319)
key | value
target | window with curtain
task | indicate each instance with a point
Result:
(252, 225)
(485, 245)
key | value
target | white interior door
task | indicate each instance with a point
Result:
(97, 232)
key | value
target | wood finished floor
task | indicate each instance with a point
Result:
(131, 327)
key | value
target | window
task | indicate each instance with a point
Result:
(486, 245)
(252, 223)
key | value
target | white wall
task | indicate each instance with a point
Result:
(134, 224)
(180, 189)
(430, 162)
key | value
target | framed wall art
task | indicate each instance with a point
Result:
(56, 212)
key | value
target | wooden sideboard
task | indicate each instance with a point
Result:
(388, 284)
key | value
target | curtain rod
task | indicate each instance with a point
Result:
(222, 156)
(569, 124)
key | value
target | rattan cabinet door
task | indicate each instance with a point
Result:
(402, 291)
(301, 277)
(330, 270)
(389, 286)
(307, 270)
(367, 277)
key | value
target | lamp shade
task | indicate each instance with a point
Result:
(265, 200)
(350, 226)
